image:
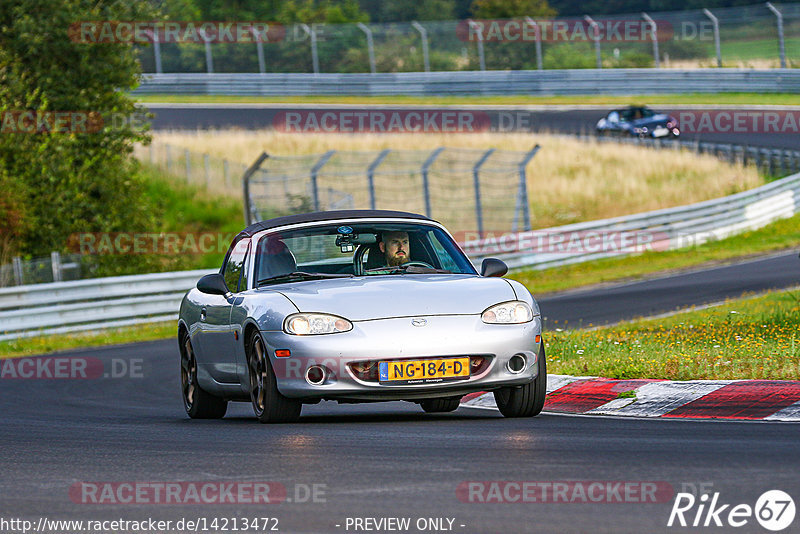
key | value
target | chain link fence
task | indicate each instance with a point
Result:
(470, 191)
(757, 36)
(54, 268)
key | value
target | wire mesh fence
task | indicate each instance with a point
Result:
(217, 175)
(54, 268)
(757, 36)
(472, 191)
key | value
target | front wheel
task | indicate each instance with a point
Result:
(527, 400)
(268, 403)
(198, 403)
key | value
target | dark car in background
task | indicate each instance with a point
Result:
(638, 121)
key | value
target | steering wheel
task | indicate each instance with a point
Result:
(417, 264)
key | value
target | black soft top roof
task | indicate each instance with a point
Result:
(328, 216)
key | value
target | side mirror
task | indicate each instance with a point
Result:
(213, 284)
(493, 267)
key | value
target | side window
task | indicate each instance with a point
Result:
(613, 117)
(235, 266)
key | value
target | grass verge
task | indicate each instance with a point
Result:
(568, 180)
(750, 338)
(30, 346)
(780, 235)
(753, 99)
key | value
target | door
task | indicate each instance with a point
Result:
(215, 317)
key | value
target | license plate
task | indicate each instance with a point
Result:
(660, 132)
(424, 371)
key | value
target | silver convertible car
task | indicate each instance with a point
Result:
(357, 306)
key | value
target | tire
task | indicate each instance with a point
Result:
(268, 403)
(198, 403)
(449, 404)
(527, 400)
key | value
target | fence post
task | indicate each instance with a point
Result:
(476, 182)
(248, 209)
(188, 165)
(314, 171)
(55, 265)
(538, 42)
(781, 43)
(481, 57)
(262, 65)
(654, 37)
(423, 33)
(371, 176)
(715, 21)
(314, 55)
(207, 165)
(596, 39)
(16, 263)
(370, 45)
(157, 51)
(522, 194)
(209, 58)
(226, 173)
(426, 192)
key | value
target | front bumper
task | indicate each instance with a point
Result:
(398, 339)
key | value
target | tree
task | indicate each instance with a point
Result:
(82, 178)
(382, 11)
(508, 9)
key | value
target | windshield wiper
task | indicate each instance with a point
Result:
(298, 276)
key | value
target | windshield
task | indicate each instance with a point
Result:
(632, 114)
(363, 249)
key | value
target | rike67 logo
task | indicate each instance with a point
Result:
(774, 510)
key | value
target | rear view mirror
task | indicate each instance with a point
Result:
(213, 284)
(493, 267)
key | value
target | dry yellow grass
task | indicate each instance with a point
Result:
(568, 180)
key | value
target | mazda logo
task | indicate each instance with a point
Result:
(419, 321)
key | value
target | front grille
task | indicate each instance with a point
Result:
(368, 370)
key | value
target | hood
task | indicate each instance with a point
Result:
(400, 295)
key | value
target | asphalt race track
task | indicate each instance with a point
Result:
(259, 116)
(583, 308)
(387, 459)
(383, 460)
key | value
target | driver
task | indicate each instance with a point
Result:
(395, 248)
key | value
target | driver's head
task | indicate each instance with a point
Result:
(395, 248)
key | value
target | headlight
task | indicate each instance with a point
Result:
(311, 324)
(513, 312)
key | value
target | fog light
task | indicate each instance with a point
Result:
(516, 364)
(315, 375)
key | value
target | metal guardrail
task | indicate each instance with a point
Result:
(528, 82)
(64, 307)
(664, 229)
